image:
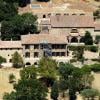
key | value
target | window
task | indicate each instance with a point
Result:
(35, 63)
(62, 53)
(36, 46)
(27, 47)
(74, 14)
(27, 55)
(57, 53)
(36, 54)
(58, 14)
(10, 60)
(44, 16)
(53, 54)
(28, 63)
(63, 46)
(66, 14)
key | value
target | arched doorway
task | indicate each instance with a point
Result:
(82, 40)
(74, 39)
(35, 63)
(28, 64)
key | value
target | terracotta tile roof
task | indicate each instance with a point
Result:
(43, 38)
(10, 44)
(97, 26)
(72, 21)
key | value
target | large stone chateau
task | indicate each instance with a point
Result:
(57, 31)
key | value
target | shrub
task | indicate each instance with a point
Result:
(90, 93)
(17, 60)
(97, 39)
(88, 40)
(95, 67)
(91, 48)
(2, 60)
(98, 60)
(73, 60)
(73, 48)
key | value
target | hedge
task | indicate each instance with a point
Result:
(95, 67)
(88, 47)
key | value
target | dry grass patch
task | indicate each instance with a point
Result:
(5, 86)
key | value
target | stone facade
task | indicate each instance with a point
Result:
(56, 33)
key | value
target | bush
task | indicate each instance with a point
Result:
(88, 40)
(73, 60)
(95, 67)
(73, 48)
(98, 60)
(17, 60)
(2, 60)
(97, 39)
(90, 93)
(91, 48)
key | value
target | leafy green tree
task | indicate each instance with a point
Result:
(90, 93)
(87, 78)
(88, 38)
(29, 23)
(7, 30)
(95, 67)
(47, 70)
(11, 1)
(74, 79)
(8, 96)
(54, 91)
(2, 60)
(65, 71)
(28, 73)
(7, 11)
(97, 14)
(17, 60)
(18, 25)
(78, 54)
(28, 87)
(23, 3)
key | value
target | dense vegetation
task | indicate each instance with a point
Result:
(18, 25)
(12, 24)
(60, 78)
(28, 87)
(17, 60)
(2, 59)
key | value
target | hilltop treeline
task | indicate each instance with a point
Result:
(12, 24)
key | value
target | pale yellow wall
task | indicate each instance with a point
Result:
(8, 53)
